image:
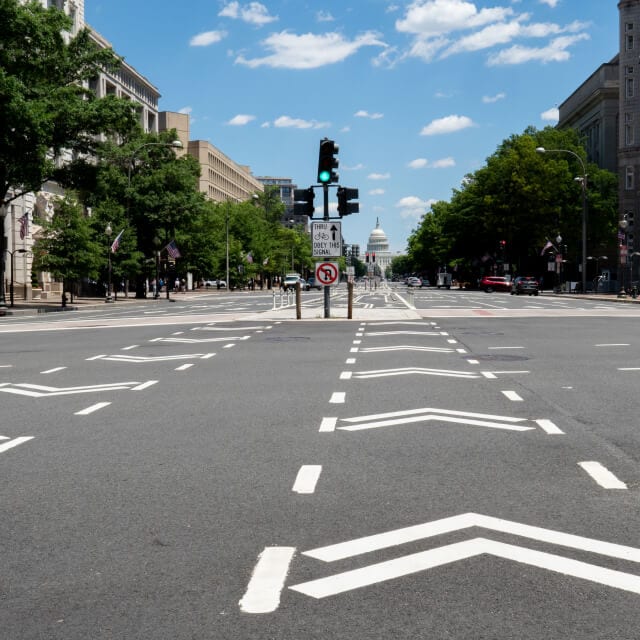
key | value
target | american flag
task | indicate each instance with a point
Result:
(250, 257)
(172, 250)
(116, 242)
(24, 226)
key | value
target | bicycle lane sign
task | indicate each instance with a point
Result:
(326, 239)
(327, 273)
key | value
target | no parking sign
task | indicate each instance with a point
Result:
(327, 273)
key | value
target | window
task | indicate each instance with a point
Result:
(628, 26)
(628, 70)
(628, 129)
(629, 43)
(629, 88)
(629, 179)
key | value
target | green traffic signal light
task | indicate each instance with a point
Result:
(327, 161)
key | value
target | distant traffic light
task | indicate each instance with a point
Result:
(346, 208)
(303, 202)
(373, 257)
(367, 257)
(327, 162)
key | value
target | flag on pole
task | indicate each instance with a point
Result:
(265, 262)
(250, 257)
(116, 242)
(172, 250)
(24, 226)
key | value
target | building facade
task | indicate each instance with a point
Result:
(378, 244)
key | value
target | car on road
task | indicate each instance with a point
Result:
(291, 279)
(525, 284)
(495, 283)
(312, 283)
(414, 282)
(218, 284)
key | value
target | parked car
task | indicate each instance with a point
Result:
(218, 284)
(525, 284)
(312, 283)
(414, 282)
(495, 283)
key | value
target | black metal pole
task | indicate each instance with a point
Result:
(327, 289)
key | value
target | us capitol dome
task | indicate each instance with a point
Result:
(378, 243)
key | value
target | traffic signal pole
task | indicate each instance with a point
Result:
(327, 290)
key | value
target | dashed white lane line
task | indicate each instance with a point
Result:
(489, 375)
(228, 346)
(350, 361)
(144, 385)
(602, 475)
(338, 397)
(184, 367)
(267, 581)
(307, 478)
(613, 344)
(54, 370)
(512, 395)
(549, 427)
(14, 443)
(357, 342)
(346, 375)
(354, 350)
(328, 424)
(92, 408)
(473, 361)
(132, 346)
(495, 348)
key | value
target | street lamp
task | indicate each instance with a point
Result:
(559, 262)
(623, 224)
(107, 232)
(11, 254)
(583, 182)
(156, 243)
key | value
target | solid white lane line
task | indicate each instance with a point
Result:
(602, 475)
(505, 348)
(92, 408)
(548, 427)
(513, 396)
(184, 367)
(307, 478)
(613, 344)
(328, 424)
(14, 443)
(338, 397)
(266, 584)
(346, 375)
(53, 370)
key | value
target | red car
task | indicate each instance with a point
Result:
(495, 283)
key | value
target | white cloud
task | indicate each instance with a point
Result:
(379, 176)
(444, 163)
(366, 114)
(418, 163)
(265, 125)
(492, 99)
(448, 124)
(413, 207)
(324, 16)
(551, 115)
(298, 123)
(556, 51)
(187, 110)
(377, 192)
(309, 51)
(206, 38)
(252, 13)
(552, 3)
(356, 167)
(240, 120)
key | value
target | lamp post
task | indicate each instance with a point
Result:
(623, 224)
(156, 244)
(3, 300)
(107, 232)
(11, 272)
(559, 260)
(583, 181)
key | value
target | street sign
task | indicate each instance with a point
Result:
(326, 239)
(327, 273)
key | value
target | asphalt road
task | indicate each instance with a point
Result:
(465, 469)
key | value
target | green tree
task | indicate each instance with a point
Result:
(45, 104)
(66, 247)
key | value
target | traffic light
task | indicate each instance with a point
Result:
(303, 202)
(346, 208)
(373, 257)
(367, 257)
(327, 163)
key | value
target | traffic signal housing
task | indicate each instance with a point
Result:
(303, 202)
(346, 208)
(327, 162)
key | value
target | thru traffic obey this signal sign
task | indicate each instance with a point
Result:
(326, 238)
(327, 273)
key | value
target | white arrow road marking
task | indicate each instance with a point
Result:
(13, 443)
(263, 592)
(143, 359)
(404, 371)
(459, 551)
(40, 391)
(444, 415)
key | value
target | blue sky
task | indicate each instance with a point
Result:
(416, 94)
